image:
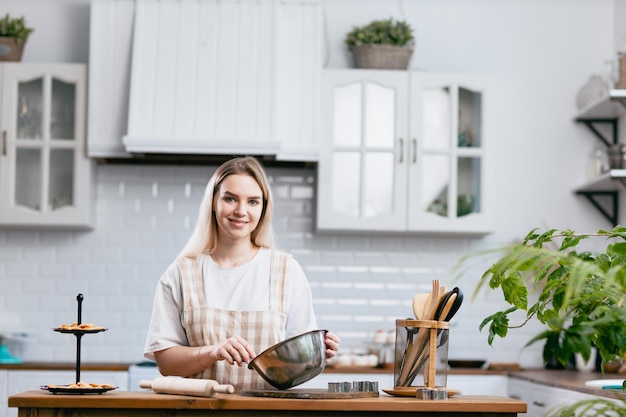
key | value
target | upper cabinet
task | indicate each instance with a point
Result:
(44, 172)
(206, 77)
(405, 152)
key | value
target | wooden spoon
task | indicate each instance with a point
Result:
(420, 301)
(429, 314)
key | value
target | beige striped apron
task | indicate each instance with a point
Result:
(209, 326)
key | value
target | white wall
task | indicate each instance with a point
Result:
(540, 53)
(61, 28)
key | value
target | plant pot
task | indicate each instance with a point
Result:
(382, 56)
(10, 49)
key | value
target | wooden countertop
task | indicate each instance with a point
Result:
(571, 380)
(65, 366)
(131, 403)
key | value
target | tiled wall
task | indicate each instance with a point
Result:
(143, 216)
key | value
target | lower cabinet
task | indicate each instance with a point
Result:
(14, 382)
(4, 394)
(542, 399)
(479, 384)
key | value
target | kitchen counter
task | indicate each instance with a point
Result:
(571, 380)
(65, 366)
(140, 404)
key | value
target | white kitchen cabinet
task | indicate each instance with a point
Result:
(27, 380)
(542, 399)
(110, 46)
(479, 384)
(3, 393)
(405, 151)
(205, 77)
(45, 176)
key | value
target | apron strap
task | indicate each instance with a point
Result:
(278, 282)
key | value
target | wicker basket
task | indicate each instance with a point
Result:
(10, 49)
(382, 56)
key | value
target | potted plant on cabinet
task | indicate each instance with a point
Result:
(579, 295)
(382, 44)
(13, 35)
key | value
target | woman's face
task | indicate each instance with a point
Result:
(238, 206)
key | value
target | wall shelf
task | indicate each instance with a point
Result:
(603, 192)
(606, 110)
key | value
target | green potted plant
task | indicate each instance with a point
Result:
(579, 295)
(382, 44)
(13, 35)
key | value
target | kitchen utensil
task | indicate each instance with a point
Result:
(186, 386)
(448, 306)
(420, 301)
(414, 350)
(434, 300)
(447, 311)
(466, 363)
(411, 391)
(66, 389)
(311, 393)
(443, 305)
(292, 361)
(456, 305)
(431, 394)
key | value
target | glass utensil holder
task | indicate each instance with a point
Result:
(421, 353)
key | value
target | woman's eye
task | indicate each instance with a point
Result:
(254, 202)
(229, 199)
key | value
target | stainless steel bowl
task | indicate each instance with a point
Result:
(293, 361)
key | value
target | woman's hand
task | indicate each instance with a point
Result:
(234, 350)
(332, 345)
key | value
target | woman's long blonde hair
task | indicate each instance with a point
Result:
(204, 237)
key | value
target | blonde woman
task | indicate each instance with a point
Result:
(230, 294)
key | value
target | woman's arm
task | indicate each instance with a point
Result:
(189, 360)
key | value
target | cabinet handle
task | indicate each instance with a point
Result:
(515, 397)
(414, 150)
(539, 403)
(4, 143)
(401, 150)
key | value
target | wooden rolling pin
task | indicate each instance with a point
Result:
(186, 386)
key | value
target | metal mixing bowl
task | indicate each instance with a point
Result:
(293, 361)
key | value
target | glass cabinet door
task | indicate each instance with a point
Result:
(447, 181)
(362, 169)
(43, 128)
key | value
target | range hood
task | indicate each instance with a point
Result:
(224, 77)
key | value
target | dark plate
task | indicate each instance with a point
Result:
(65, 389)
(79, 331)
(466, 363)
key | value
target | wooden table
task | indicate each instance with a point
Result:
(143, 404)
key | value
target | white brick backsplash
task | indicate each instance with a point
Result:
(10, 252)
(55, 269)
(144, 214)
(20, 269)
(38, 253)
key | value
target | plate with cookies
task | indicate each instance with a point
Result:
(78, 388)
(79, 328)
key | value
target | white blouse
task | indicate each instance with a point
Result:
(244, 288)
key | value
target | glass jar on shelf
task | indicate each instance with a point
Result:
(598, 162)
